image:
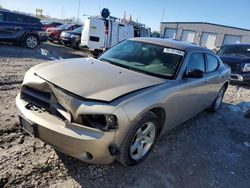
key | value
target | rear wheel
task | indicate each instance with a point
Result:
(139, 140)
(217, 102)
(31, 41)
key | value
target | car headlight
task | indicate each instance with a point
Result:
(246, 67)
(103, 122)
(74, 36)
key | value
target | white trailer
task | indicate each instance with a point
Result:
(100, 34)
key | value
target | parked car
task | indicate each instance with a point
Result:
(20, 28)
(71, 38)
(47, 25)
(237, 56)
(54, 33)
(115, 107)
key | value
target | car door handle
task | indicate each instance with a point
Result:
(17, 28)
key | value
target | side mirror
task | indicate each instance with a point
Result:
(195, 73)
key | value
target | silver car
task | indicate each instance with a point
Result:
(115, 107)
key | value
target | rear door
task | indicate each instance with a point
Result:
(121, 32)
(13, 27)
(195, 93)
(190, 95)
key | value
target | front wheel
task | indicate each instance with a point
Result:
(217, 102)
(31, 41)
(139, 140)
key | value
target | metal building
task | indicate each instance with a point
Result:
(205, 34)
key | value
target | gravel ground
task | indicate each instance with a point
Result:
(210, 150)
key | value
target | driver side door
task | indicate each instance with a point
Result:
(190, 96)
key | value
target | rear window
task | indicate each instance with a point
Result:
(64, 26)
(95, 39)
(31, 20)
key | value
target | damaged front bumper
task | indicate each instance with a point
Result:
(82, 142)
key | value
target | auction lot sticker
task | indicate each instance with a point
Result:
(173, 51)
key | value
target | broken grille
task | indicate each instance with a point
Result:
(41, 101)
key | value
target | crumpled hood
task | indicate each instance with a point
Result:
(93, 79)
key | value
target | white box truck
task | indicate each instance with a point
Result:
(100, 34)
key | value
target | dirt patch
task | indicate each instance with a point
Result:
(210, 150)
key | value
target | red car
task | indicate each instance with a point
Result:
(54, 33)
(47, 25)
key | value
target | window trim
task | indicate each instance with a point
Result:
(206, 61)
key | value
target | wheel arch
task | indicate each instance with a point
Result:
(226, 84)
(160, 112)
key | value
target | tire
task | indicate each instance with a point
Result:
(132, 142)
(218, 100)
(31, 41)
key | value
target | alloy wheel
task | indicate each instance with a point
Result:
(31, 41)
(142, 141)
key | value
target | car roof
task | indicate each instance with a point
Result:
(20, 13)
(241, 44)
(169, 43)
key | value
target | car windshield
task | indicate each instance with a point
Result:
(143, 57)
(78, 30)
(240, 50)
(64, 26)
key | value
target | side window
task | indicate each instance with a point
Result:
(212, 63)
(20, 19)
(1, 17)
(31, 20)
(9, 17)
(12, 17)
(196, 61)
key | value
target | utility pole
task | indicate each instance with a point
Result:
(79, 3)
(162, 17)
(163, 13)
